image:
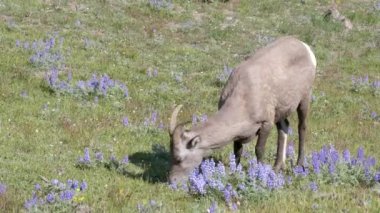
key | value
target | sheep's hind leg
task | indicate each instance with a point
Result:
(282, 129)
(302, 111)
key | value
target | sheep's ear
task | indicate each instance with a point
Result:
(193, 142)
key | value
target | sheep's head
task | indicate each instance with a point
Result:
(184, 149)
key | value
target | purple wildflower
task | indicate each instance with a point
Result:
(125, 160)
(37, 187)
(313, 186)
(213, 207)
(3, 189)
(55, 182)
(194, 119)
(67, 195)
(99, 156)
(315, 162)
(375, 178)
(153, 117)
(86, 158)
(31, 202)
(300, 171)
(332, 168)
(290, 150)
(203, 118)
(83, 186)
(220, 170)
(50, 198)
(360, 154)
(125, 121)
(346, 156)
(197, 183)
(75, 184)
(155, 72)
(373, 115)
(232, 163)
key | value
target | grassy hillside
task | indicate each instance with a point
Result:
(148, 56)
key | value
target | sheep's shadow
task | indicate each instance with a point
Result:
(155, 164)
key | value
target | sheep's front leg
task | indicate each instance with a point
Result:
(282, 129)
(238, 148)
(263, 135)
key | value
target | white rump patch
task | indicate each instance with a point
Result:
(312, 56)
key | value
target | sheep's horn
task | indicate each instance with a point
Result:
(173, 119)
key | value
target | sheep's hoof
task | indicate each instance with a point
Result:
(279, 166)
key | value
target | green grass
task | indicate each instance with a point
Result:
(192, 39)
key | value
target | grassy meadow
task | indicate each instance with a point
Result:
(151, 55)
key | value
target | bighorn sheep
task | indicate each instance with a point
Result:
(260, 93)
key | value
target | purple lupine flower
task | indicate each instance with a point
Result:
(234, 207)
(83, 186)
(99, 156)
(373, 115)
(126, 93)
(313, 186)
(74, 184)
(50, 198)
(54, 182)
(334, 155)
(346, 156)
(86, 158)
(241, 187)
(113, 158)
(81, 85)
(262, 172)
(125, 160)
(173, 186)
(315, 162)
(37, 187)
(323, 154)
(375, 178)
(194, 119)
(31, 202)
(213, 207)
(232, 163)
(197, 183)
(3, 189)
(252, 169)
(125, 121)
(220, 170)
(290, 131)
(360, 154)
(153, 117)
(18, 43)
(227, 193)
(53, 77)
(161, 125)
(67, 195)
(290, 150)
(155, 72)
(208, 168)
(332, 168)
(203, 118)
(300, 171)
